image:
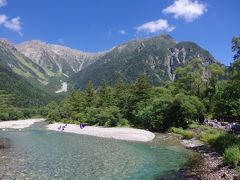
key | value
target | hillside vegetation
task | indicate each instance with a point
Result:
(193, 96)
(156, 57)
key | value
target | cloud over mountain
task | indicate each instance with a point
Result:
(12, 24)
(188, 10)
(160, 25)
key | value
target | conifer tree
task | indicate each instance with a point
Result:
(90, 95)
(105, 95)
(236, 48)
(141, 89)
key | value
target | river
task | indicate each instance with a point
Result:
(37, 153)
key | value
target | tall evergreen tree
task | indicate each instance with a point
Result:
(141, 89)
(90, 95)
(119, 87)
(121, 96)
(140, 93)
(105, 95)
(236, 48)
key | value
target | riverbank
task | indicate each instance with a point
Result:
(209, 165)
(129, 134)
(19, 124)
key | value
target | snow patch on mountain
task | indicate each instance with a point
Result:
(43, 82)
(57, 58)
(63, 88)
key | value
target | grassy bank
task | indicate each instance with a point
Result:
(185, 134)
(225, 143)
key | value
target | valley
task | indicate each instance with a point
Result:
(118, 90)
(156, 84)
(45, 65)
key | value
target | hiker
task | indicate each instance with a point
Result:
(82, 126)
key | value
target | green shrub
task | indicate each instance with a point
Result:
(183, 110)
(231, 156)
(109, 116)
(209, 136)
(238, 172)
(225, 140)
(199, 126)
(15, 114)
(4, 116)
(194, 125)
(123, 123)
(186, 134)
(92, 115)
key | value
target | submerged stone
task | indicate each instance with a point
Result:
(4, 143)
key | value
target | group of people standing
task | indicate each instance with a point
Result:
(82, 125)
(61, 128)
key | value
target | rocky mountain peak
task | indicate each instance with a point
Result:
(57, 58)
(5, 41)
(6, 44)
(168, 37)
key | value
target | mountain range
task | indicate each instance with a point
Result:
(19, 77)
(156, 57)
(50, 69)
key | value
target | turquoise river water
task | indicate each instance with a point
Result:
(37, 153)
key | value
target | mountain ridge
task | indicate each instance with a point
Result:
(57, 58)
(157, 57)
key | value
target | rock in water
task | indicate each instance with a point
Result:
(4, 143)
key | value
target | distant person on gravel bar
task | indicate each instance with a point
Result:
(82, 126)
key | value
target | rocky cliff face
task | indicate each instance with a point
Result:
(181, 53)
(56, 58)
(156, 57)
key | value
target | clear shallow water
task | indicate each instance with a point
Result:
(42, 154)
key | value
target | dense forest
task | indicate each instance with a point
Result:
(19, 98)
(196, 93)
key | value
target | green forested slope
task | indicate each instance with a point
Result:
(20, 64)
(25, 94)
(156, 57)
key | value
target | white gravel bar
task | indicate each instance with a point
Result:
(129, 134)
(18, 124)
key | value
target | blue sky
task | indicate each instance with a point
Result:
(96, 25)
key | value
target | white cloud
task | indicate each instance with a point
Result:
(122, 32)
(3, 3)
(189, 10)
(13, 24)
(156, 26)
(3, 18)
